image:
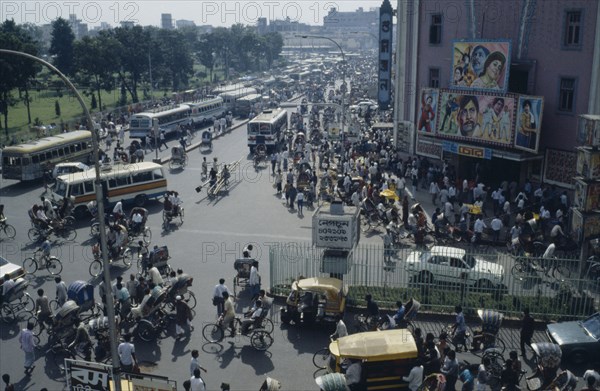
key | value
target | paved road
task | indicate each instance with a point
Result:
(205, 246)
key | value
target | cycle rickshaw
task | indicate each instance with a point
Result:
(260, 338)
(159, 257)
(207, 139)
(547, 357)
(317, 299)
(170, 214)
(16, 300)
(179, 158)
(82, 293)
(260, 154)
(242, 266)
(141, 230)
(181, 287)
(152, 319)
(63, 325)
(486, 339)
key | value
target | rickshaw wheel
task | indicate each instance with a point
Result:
(213, 333)
(261, 340)
(8, 315)
(145, 330)
(147, 236)
(34, 235)
(28, 302)
(95, 268)
(190, 299)
(127, 257)
(321, 357)
(172, 164)
(267, 325)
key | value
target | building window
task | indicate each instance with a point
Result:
(572, 30)
(566, 97)
(434, 77)
(435, 29)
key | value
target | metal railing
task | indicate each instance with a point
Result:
(550, 292)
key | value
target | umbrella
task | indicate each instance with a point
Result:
(387, 193)
(332, 382)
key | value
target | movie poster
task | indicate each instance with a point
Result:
(529, 123)
(477, 118)
(480, 65)
(428, 111)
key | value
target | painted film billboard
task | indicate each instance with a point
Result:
(428, 111)
(480, 65)
(482, 118)
(529, 123)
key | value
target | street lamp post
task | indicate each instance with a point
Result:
(110, 310)
(343, 76)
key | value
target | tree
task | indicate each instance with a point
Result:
(15, 71)
(273, 47)
(57, 108)
(133, 54)
(93, 103)
(176, 63)
(206, 52)
(61, 46)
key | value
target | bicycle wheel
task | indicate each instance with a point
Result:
(34, 235)
(54, 266)
(261, 340)
(54, 306)
(267, 325)
(27, 302)
(30, 265)
(213, 333)
(69, 234)
(95, 268)
(145, 330)
(127, 257)
(147, 237)
(9, 231)
(321, 357)
(8, 315)
(561, 272)
(190, 299)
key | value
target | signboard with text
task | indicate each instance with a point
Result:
(384, 91)
(83, 375)
(335, 230)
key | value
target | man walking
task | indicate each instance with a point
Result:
(183, 316)
(218, 300)
(28, 346)
(61, 291)
(527, 327)
(126, 352)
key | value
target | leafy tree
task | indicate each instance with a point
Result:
(15, 71)
(57, 108)
(273, 47)
(133, 54)
(93, 103)
(206, 52)
(61, 46)
(176, 63)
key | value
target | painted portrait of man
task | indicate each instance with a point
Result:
(468, 116)
(528, 123)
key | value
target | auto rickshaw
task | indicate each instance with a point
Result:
(384, 357)
(548, 356)
(317, 299)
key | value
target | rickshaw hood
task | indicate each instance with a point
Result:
(376, 346)
(567, 333)
(322, 284)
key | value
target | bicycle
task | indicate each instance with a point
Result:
(321, 357)
(458, 344)
(525, 267)
(8, 230)
(260, 338)
(37, 261)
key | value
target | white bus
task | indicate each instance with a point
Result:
(140, 125)
(230, 98)
(135, 183)
(227, 88)
(267, 128)
(28, 161)
(206, 110)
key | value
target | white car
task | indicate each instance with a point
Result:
(450, 264)
(68, 168)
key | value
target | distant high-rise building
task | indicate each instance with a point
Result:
(127, 24)
(261, 26)
(359, 20)
(181, 23)
(166, 21)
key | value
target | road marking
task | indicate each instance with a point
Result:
(241, 234)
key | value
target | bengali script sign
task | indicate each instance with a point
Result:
(334, 232)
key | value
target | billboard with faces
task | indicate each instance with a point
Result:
(480, 65)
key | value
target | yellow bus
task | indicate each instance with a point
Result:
(28, 161)
(135, 183)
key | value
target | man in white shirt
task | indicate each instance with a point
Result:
(433, 192)
(136, 221)
(126, 352)
(155, 276)
(414, 378)
(118, 209)
(478, 228)
(257, 313)
(218, 299)
(196, 382)
(61, 291)
(340, 330)
(496, 228)
(449, 212)
(254, 280)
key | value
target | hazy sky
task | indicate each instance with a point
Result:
(216, 13)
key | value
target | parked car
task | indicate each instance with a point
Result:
(14, 271)
(451, 264)
(579, 340)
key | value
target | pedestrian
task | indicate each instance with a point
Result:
(42, 309)
(293, 193)
(496, 228)
(162, 141)
(300, 201)
(450, 370)
(131, 286)
(527, 327)
(434, 190)
(126, 352)
(254, 280)
(194, 363)
(183, 316)
(415, 376)
(218, 300)
(8, 386)
(197, 384)
(286, 192)
(122, 135)
(61, 291)
(483, 375)
(278, 181)
(228, 315)
(273, 163)
(147, 143)
(28, 346)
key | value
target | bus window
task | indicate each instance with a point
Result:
(84, 145)
(76, 189)
(158, 174)
(77, 147)
(35, 159)
(42, 157)
(61, 152)
(25, 161)
(55, 153)
(88, 187)
(142, 177)
(72, 148)
(48, 155)
(12, 161)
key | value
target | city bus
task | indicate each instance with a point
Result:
(247, 104)
(140, 125)
(28, 161)
(206, 110)
(267, 128)
(135, 183)
(231, 98)
(227, 88)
